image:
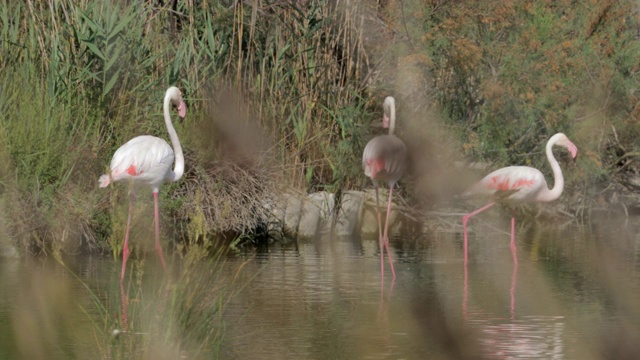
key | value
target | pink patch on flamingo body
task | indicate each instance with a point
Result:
(376, 165)
(132, 170)
(523, 182)
(498, 184)
(505, 185)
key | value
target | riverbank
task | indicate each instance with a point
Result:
(282, 98)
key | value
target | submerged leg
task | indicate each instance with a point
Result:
(386, 232)
(156, 215)
(514, 275)
(512, 290)
(125, 307)
(513, 240)
(125, 247)
(465, 290)
(465, 220)
(380, 238)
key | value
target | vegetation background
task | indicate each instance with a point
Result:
(283, 94)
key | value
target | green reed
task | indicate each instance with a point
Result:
(99, 69)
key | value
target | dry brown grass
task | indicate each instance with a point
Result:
(224, 198)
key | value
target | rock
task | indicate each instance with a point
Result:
(315, 213)
(369, 218)
(325, 202)
(8, 251)
(309, 218)
(284, 210)
(634, 181)
(348, 218)
(300, 215)
(292, 211)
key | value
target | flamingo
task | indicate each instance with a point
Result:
(146, 161)
(384, 159)
(520, 184)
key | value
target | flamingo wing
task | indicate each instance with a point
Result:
(511, 183)
(384, 158)
(146, 158)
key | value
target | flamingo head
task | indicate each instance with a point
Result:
(562, 140)
(389, 107)
(176, 99)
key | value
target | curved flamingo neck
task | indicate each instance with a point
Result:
(392, 117)
(392, 120)
(178, 169)
(558, 178)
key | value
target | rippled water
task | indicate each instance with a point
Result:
(572, 295)
(574, 285)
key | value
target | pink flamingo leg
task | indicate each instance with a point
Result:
(380, 239)
(156, 215)
(465, 290)
(125, 248)
(512, 291)
(125, 307)
(513, 241)
(514, 275)
(465, 220)
(386, 232)
(465, 243)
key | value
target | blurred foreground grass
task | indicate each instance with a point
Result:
(79, 311)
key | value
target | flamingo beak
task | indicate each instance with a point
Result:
(385, 121)
(182, 110)
(573, 150)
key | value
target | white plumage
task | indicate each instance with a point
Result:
(145, 160)
(524, 183)
(383, 159)
(516, 183)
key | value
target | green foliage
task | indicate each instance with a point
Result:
(97, 70)
(81, 77)
(46, 145)
(514, 73)
(302, 64)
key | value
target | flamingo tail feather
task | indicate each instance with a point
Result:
(104, 180)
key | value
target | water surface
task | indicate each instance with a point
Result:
(574, 286)
(573, 294)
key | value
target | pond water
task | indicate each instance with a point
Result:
(573, 294)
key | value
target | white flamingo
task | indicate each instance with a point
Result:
(146, 161)
(384, 159)
(520, 184)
